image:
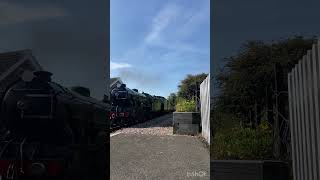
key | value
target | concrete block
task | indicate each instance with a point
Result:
(186, 129)
(248, 170)
(187, 117)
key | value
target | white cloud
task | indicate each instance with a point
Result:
(12, 13)
(171, 29)
(161, 21)
(195, 19)
(174, 24)
(115, 65)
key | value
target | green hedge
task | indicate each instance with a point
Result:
(243, 144)
(185, 106)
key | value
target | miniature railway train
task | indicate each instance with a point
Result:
(129, 107)
(46, 131)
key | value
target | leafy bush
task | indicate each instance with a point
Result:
(222, 121)
(243, 144)
(184, 105)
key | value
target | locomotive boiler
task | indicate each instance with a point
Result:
(43, 123)
(130, 107)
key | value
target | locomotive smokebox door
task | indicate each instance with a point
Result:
(27, 76)
(43, 75)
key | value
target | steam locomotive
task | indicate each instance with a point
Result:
(129, 107)
(49, 131)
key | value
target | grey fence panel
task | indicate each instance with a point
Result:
(304, 112)
(306, 117)
(311, 115)
(291, 109)
(205, 108)
(315, 96)
(302, 123)
(317, 103)
(297, 120)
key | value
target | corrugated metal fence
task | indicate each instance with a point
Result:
(205, 108)
(304, 86)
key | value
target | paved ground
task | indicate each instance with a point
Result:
(140, 153)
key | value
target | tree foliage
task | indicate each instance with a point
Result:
(172, 99)
(190, 85)
(247, 82)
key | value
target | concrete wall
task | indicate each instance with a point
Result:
(205, 108)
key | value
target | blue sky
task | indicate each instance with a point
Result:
(155, 44)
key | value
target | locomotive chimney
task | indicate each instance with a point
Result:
(43, 75)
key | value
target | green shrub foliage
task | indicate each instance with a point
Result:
(244, 143)
(184, 105)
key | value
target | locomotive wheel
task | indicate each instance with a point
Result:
(70, 169)
(123, 122)
(15, 174)
(131, 120)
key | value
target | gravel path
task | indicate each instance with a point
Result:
(150, 151)
(147, 157)
(158, 126)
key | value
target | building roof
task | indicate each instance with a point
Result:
(114, 80)
(8, 59)
(10, 62)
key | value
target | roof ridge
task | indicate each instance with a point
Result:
(17, 51)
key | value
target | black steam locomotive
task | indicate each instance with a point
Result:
(49, 131)
(130, 107)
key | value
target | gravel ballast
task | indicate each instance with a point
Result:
(158, 126)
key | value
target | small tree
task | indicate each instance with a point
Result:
(172, 99)
(189, 87)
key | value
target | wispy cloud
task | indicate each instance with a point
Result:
(173, 24)
(12, 13)
(168, 46)
(115, 65)
(161, 21)
(195, 20)
(169, 29)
